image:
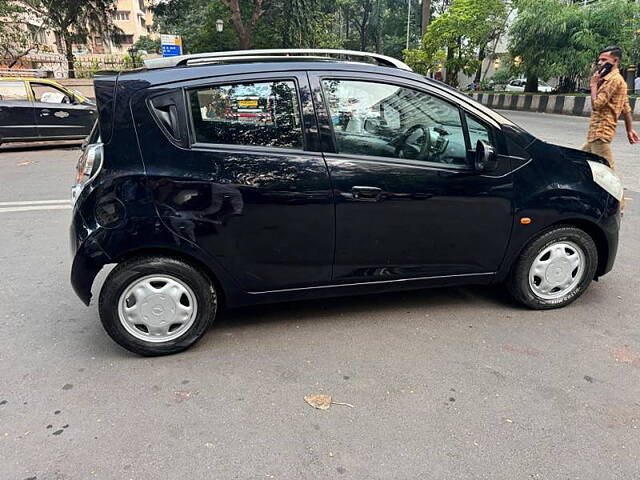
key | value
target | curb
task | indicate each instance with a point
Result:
(559, 104)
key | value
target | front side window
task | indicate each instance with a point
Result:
(263, 114)
(13, 91)
(478, 131)
(48, 94)
(386, 120)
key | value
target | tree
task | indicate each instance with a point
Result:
(243, 28)
(556, 39)
(17, 39)
(459, 37)
(75, 20)
(148, 44)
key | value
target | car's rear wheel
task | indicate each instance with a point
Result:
(157, 305)
(554, 269)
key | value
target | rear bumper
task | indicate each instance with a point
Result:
(88, 258)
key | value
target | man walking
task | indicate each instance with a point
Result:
(636, 83)
(608, 100)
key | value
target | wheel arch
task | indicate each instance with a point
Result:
(589, 227)
(222, 290)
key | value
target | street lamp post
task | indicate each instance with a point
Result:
(133, 52)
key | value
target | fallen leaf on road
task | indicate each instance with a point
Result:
(23, 164)
(323, 402)
(508, 420)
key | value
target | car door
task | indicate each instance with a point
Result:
(58, 114)
(244, 184)
(413, 208)
(17, 116)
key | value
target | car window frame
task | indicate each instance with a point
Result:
(56, 87)
(26, 88)
(195, 145)
(374, 79)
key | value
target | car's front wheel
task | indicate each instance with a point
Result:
(554, 269)
(157, 305)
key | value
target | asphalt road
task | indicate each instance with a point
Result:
(455, 383)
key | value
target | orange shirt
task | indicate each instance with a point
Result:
(610, 102)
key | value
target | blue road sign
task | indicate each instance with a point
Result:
(171, 50)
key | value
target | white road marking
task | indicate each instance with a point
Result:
(35, 207)
(34, 202)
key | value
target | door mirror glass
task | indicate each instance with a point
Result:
(486, 158)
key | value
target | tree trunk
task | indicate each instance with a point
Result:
(449, 74)
(426, 14)
(532, 84)
(481, 57)
(245, 32)
(68, 45)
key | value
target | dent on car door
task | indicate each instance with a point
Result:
(244, 187)
(58, 114)
(17, 117)
(414, 208)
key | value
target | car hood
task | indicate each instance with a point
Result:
(581, 156)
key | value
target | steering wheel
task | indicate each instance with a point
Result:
(424, 146)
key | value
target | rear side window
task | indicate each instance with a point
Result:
(263, 114)
(13, 91)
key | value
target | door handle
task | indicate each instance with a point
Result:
(366, 194)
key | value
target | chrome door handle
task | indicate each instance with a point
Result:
(366, 194)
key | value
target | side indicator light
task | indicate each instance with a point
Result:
(525, 220)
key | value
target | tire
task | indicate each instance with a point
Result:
(565, 259)
(157, 305)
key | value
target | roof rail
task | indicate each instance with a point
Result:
(271, 54)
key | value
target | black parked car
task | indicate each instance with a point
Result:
(236, 181)
(38, 109)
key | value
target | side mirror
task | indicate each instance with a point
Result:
(486, 158)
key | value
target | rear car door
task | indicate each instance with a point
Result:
(58, 114)
(408, 202)
(17, 115)
(240, 178)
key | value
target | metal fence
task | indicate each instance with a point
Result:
(88, 67)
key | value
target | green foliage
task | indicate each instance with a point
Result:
(74, 20)
(462, 34)
(148, 44)
(554, 38)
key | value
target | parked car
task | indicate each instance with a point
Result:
(358, 178)
(519, 84)
(37, 109)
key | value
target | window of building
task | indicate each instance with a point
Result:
(262, 114)
(387, 120)
(127, 39)
(122, 15)
(12, 91)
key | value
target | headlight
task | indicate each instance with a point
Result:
(607, 179)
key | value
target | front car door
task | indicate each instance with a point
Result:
(408, 203)
(245, 185)
(17, 116)
(58, 114)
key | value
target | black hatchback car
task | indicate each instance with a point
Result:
(241, 178)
